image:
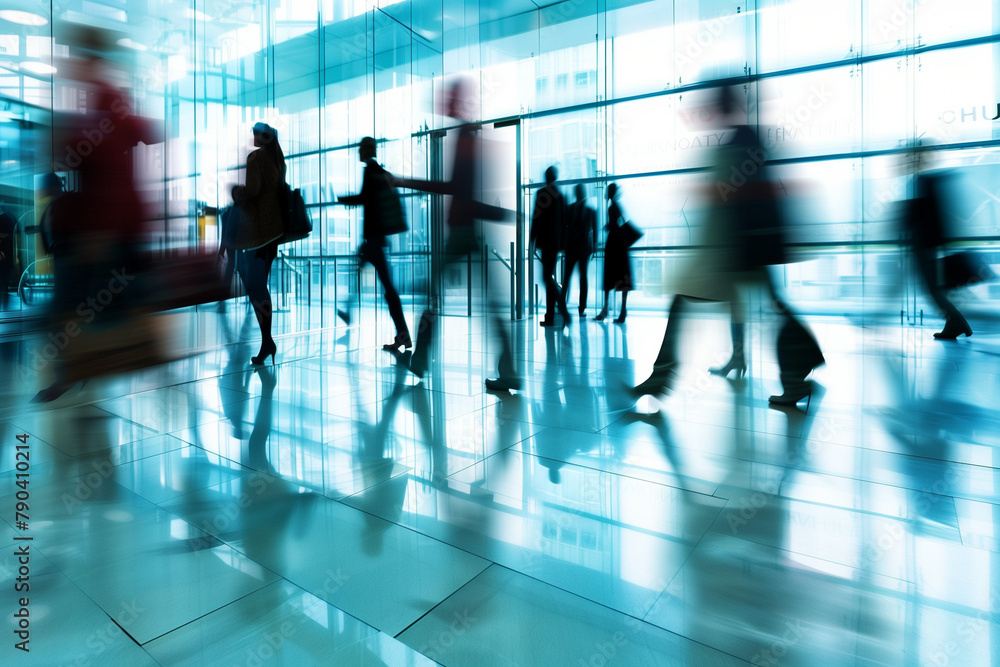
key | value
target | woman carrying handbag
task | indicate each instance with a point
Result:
(261, 228)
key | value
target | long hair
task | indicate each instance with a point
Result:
(269, 142)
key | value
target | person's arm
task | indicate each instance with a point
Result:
(358, 199)
(433, 187)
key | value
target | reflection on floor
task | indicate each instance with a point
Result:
(334, 509)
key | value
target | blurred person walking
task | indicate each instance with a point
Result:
(742, 237)
(99, 230)
(617, 260)
(261, 229)
(547, 220)
(374, 186)
(465, 211)
(580, 239)
(925, 223)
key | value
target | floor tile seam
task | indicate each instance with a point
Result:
(625, 475)
(455, 592)
(852, 510)
(613, 610)
(405, 527)
(277, 581)
(857, 568)
(616, 523)
(89, 454)
(475, 463)
(492, 562)
(84, 593)
(814, 471)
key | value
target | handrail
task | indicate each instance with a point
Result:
(502, 260)
(284, 258)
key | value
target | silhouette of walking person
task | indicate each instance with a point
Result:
(546, 235)
(463, 238)
(925, 222)
(375, 182)
(743, 236)
(580, 239)
(617, 263)
(262, 229)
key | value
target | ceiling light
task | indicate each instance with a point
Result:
(22, 17)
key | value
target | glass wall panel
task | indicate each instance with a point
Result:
(605, 91)
(793, 33)
(642, 49)
(813, 113)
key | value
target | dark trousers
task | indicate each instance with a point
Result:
(255, 270)
(374, 254)
(927, 264)
(553, 295)
(574, 257)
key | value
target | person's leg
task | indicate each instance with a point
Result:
(665, 364)
(376, 257)
(258, 270)
(568, 264)
(583, 260)
(604, 311)
(624, 311)
(955, 323)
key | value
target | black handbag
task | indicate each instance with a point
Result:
(298, 224)
(629, 234)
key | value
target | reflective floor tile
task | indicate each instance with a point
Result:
(63, 625)
(175, 473)
(580, 534)
(661, 463)
(385, 575)
(771, 606)
(164, 410)
(280, 624)
(78, 430)
(110, 543)
(504, 618)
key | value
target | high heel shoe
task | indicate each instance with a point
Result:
(793, 395)
(601, 315)
(620, 319)
(266, 350)
(734, 364)
(953, 330)
(401, 340)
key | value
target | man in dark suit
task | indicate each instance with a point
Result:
(546, 235)
(580, 237)
(372, 249)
